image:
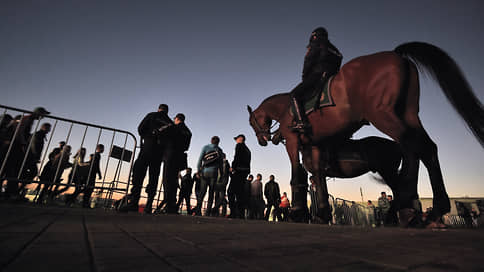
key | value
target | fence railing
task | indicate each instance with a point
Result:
(22, 166)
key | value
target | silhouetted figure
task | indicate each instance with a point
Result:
(92, 168)
(392, 217)
(186, 187)
(256, 202)
(209, 165)
(273, 197)
(313, 210)
(176, 160)
(322, 60)
(52, 173)
(156, 136)
(246, 196)
(383, 208)
(371, 213)
(18, 150)
(221, 187)
(240, 170)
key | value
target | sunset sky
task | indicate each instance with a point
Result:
(112, 62)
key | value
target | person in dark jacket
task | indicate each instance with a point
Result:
(221, 187)
(33, 158)
(240, 170)
(256, 201)
(52, 173)
(156, 136)
(176, 160)
(91, 169)
(19, 143)
(272, 194)
(322, 60)
(186, 187)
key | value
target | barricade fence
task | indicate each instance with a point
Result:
(36, 161)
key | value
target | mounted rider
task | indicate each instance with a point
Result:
(322, 60)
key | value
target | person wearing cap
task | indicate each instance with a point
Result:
(176, 161)
(155, 131)
(240, 170)
(210, 164)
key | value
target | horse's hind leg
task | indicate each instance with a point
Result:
(428, 155)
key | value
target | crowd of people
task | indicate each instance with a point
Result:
(163, 142)
(20, 154)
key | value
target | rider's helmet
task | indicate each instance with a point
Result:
(318, 35)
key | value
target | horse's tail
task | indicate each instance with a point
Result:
(445, 71)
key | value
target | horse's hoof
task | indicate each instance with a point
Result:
(436, 225)
(406, 217)
(299, 215)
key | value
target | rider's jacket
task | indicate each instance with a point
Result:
(321, 57)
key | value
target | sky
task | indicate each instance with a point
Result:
(112, 62)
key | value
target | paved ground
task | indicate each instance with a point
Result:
(57, 239)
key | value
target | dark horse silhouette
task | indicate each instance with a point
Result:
(382, 88)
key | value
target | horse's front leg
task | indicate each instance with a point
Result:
(299, 209)
(324, 209)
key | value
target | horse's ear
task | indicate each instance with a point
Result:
(249, 109)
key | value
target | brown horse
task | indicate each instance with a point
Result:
(383, 89)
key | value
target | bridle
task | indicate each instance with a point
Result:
(259, 131)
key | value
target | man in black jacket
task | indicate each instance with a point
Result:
(186, 187)
(156, 135)
(240, 170)
(322, 60)
(273, 197)
(176, 160)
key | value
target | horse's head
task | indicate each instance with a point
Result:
(261, 123)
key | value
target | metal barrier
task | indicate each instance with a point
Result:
(351, 213)
(18, 166)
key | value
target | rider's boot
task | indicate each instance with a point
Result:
(302, 126)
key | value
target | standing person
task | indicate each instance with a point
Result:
(383, 208)
(314, 197)
(155, 132)
(18, 150)
(240, 170)
(94, 169)
(33, 158)
(87, 178)
(256, 199)
(392, 217)
(272, 194)
(285, 204)
(246, 196)
(51, 174)
(371, 213)
(186, 187)
(176, 160)
(221, 186)
(209, 165)
(197, 183)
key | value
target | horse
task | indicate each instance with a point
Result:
(383, 89)
(352, 158)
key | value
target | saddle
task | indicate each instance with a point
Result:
(318, 98)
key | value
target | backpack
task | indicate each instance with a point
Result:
(211, 158)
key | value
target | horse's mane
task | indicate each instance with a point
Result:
(279, 95)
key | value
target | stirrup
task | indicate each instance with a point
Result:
(300, 127)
